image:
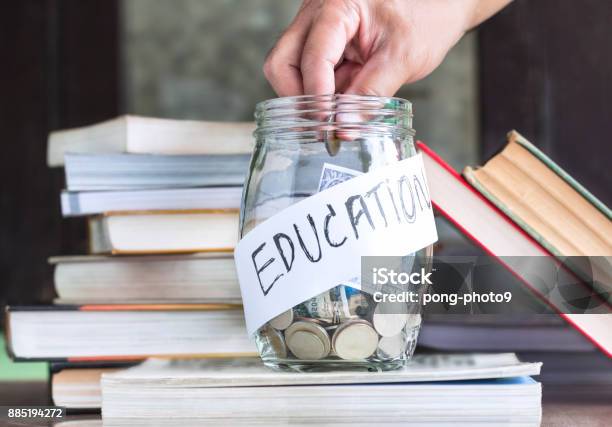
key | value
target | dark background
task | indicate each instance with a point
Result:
(545, 69)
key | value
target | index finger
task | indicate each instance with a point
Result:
(330, 33)
(282, 66)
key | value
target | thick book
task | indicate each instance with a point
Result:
(493, 231)
(551, 206)
(204, 277)
(97, 202)
(444, 388)
(134, 232)
(78, 388)
(147, 135)
(120, 171)
(126, 332)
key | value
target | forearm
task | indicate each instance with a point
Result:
(481, 10)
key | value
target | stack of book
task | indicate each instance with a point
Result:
(162, 199)
(444, 389)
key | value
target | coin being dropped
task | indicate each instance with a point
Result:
(332, 143)
(389, 319)
(391, 347)
(276, 342)
(282, 321)
(355, 340)
(307, 340)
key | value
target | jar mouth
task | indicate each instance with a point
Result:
(338, 97)
(355, 113)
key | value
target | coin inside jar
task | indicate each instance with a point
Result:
(307, 340)
(355, 340)
(276, 342)
(389, 319)
(282, 321)
(391, 347)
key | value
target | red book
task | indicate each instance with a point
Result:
(494, 232)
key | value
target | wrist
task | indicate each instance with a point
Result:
(478, 11)
(468, 11)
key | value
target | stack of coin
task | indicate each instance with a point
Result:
(390, 320)
(344, 323)
(308, 340)
(355, 339)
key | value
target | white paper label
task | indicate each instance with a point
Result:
(317, 243)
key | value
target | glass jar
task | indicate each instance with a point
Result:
(296, 138)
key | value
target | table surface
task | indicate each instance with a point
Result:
(566, 405)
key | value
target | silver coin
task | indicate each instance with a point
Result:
(356, 339)
(307, 340)
(389, 319)
(391, 347)
(276, 342)
(282, 321)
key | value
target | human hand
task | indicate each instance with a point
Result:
(368, 47)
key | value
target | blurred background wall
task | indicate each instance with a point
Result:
(541, 67)
(202, 60)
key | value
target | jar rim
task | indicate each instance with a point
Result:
(293, 116)
(396, 102)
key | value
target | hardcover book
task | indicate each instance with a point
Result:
(120, 171)
(544, 200)
(494, 232)
(156, 232)
(148, 135)
(126, 332)
(198, 277)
